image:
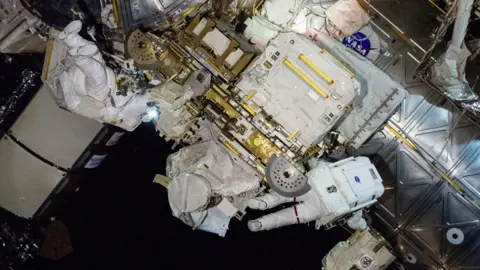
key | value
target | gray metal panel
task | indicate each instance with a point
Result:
(408, 179)
(376, 220)
(415, 18)
(416, 103)
(431, 131)
(16, 14)
(376, 145)
(468, 170)
(55, 134)
(445, 209)
(426, 120)
(402, 69)
(25, 181)
(407, 250)
(470, 260)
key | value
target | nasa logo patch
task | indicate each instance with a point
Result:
(359, 42)
(357, 179)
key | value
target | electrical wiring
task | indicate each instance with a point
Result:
(316, 14)
(320, 3)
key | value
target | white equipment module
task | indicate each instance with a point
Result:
(359, 185)
(304, 90)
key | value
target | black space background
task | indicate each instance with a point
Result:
(119, 219)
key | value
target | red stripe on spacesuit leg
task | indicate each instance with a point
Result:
(296, 211)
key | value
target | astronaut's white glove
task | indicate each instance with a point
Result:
(309, 207)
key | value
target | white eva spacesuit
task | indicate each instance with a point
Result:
(209, 185)
(338, 190)
(89, 86)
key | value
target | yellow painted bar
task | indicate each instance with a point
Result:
(250, 95)
(255, 9)
(230, 147)
(338, 62)
(447, 178)
(116, 17)
(307, 80)
(217, 98)
(49, 58)
(248, 109)
(403, 139)
(317, 70)
(214, 66)
(293, 134)
(437, 7)
(260, 168)
(219, 90)
(185, 14)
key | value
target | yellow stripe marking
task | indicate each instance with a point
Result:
(214, 66)
(293, 134)
(115, 12)
(338, 62)
(219, 90)
(250, 95)
(185, 14)
(231, 148)
(248, 109)
(437, 7)
(447, 178)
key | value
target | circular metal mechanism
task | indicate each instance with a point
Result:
(399, 266)
(455, 236)
(284, 178)
(410, 258)
(140, 48)
(366, 261)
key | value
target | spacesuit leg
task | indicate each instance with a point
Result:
(300, 213)
(268, 201)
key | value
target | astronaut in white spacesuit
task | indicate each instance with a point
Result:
(338, 191)
(207, 171)
(90, 88)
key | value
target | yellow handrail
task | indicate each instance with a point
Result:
(437, 7)
(315, 68)
(250, 95)
(305, 78)
(403, 139)
(231, 148)
(248, 109)
(293, 134)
